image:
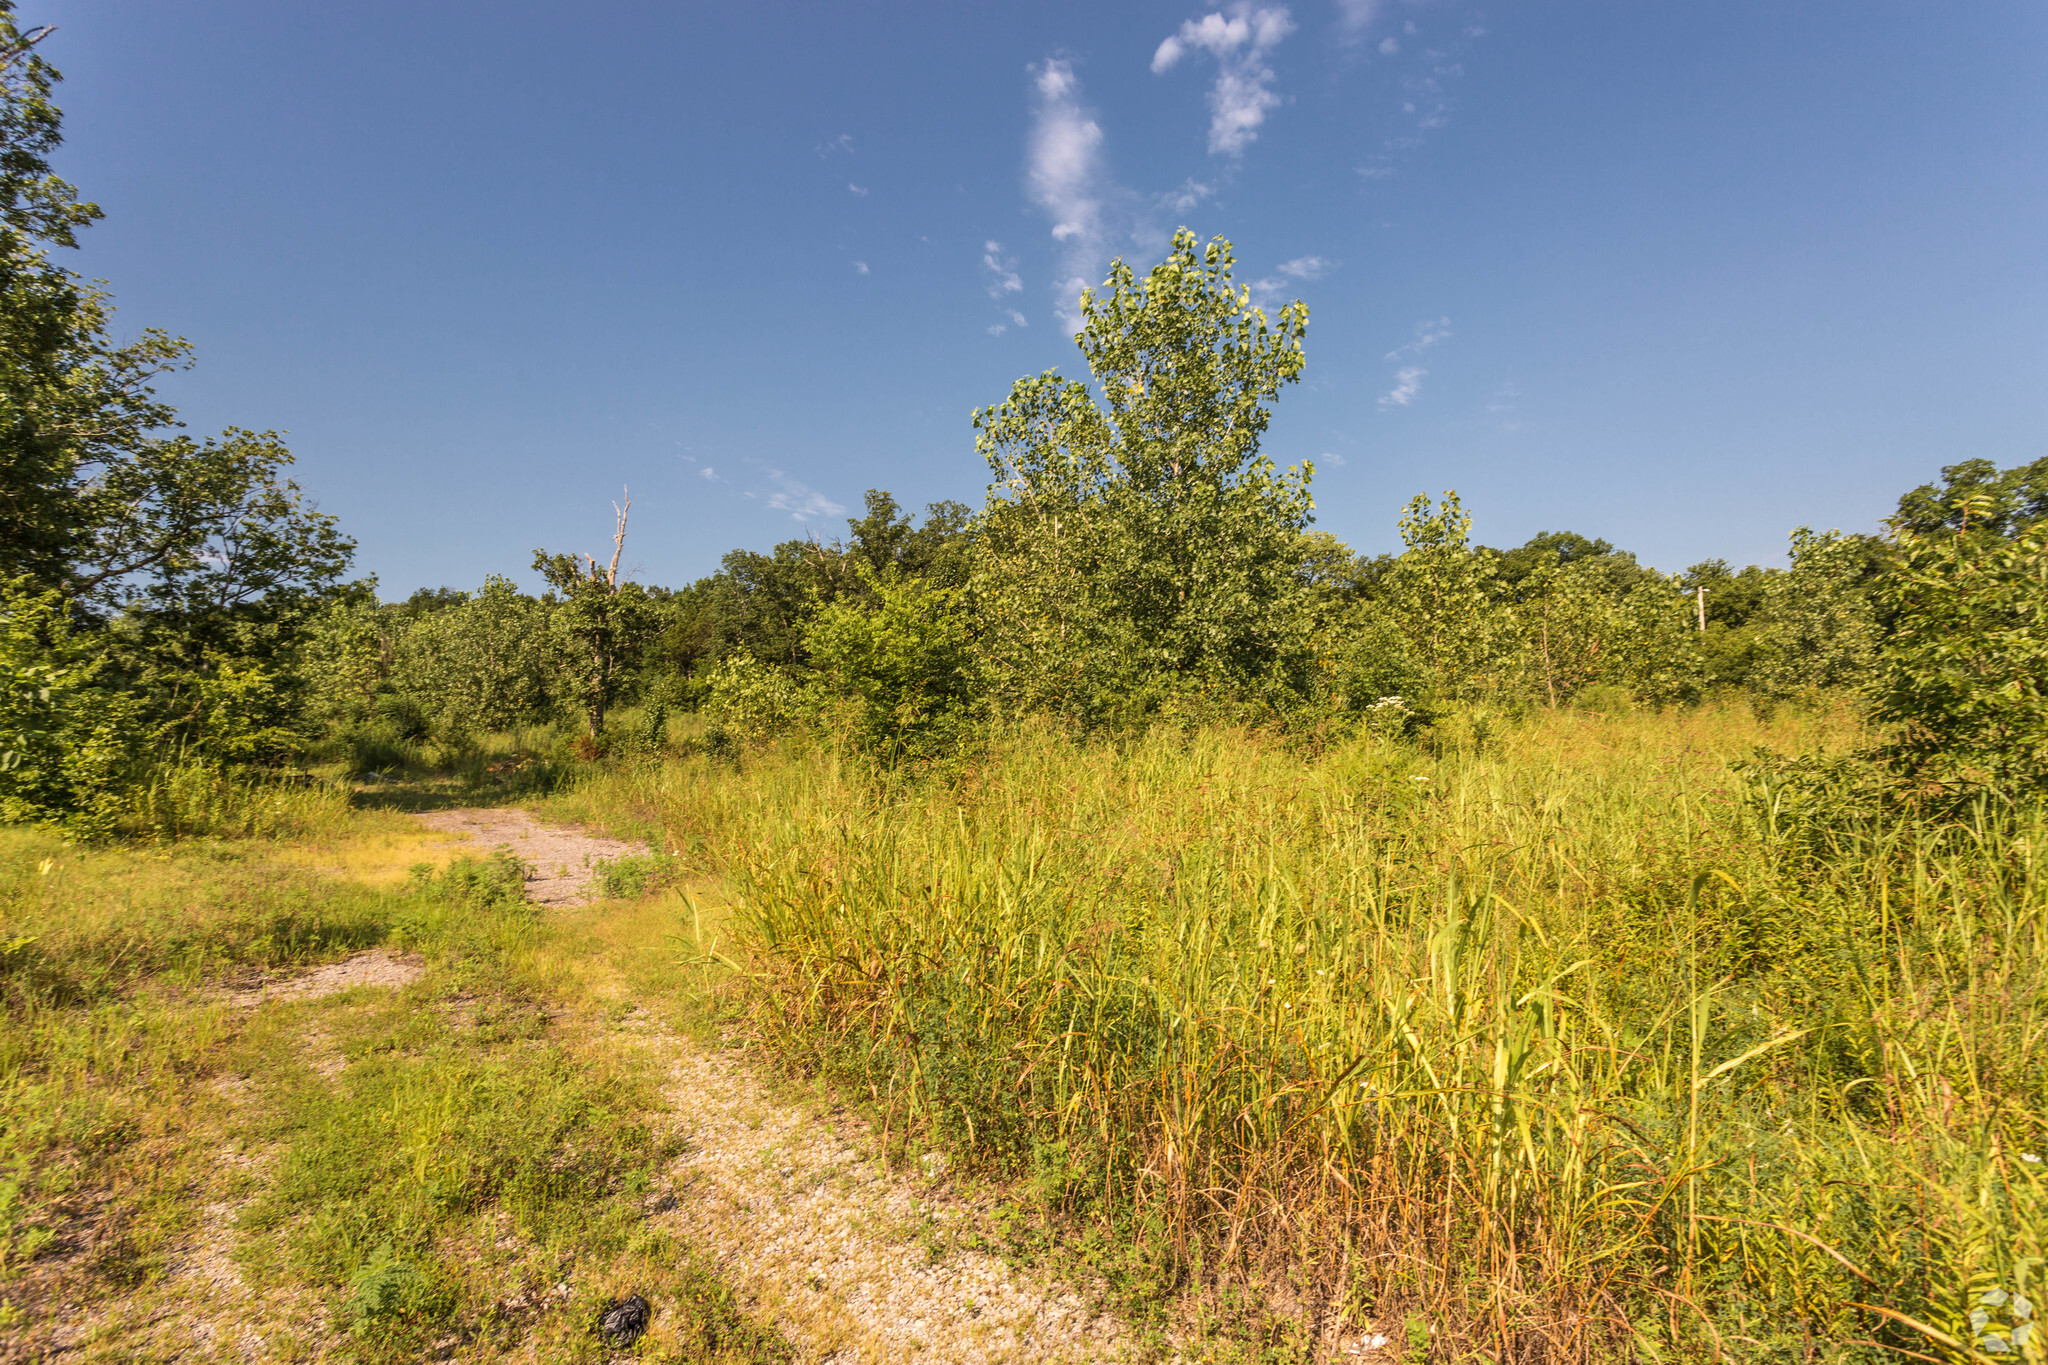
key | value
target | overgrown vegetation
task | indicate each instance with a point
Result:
(1530, 954)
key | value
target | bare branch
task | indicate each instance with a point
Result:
(618, 539)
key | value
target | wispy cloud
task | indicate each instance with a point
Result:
(1190, 193)
(1407, 384)
(1240, 38)
(860, 267)
(1389, 45)
(999, 271)
(799, 499)
(1428, 333)
(1333, 458)
(1354, 17)
(1067, 178)
(1269, 291)
(834, 145)
(709, 475)
(1504, 405)
(861, 190)
(1019, 318)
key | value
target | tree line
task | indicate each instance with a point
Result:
(169, 602)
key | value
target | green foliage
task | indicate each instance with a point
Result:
(495, 882)
(1964, 677)
(68, 746)
(747, 701)
(1977, 498)
(600, 622)
(345, 656)
(1728, 646)
(1141, 547)
(487, 662)
(636, 875)
(1818, 624)
(906, 664)
(1440, 596)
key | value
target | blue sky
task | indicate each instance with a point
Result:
(1679, 275)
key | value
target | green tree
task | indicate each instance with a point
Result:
(603, 623)
(68, 744)
(907, 664)
(1963, 683)
(1977, 498)
(95, 502)
(1819, 624)
(1442, 597)
(489, 662)
(1139, 542)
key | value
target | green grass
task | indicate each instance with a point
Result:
(1585, 1045)
(395, 1170)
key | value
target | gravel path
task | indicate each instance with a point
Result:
(852, 1262)
(856, 1265)
(563, 859)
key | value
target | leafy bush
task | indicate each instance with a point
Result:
(1964, 678)
(907, 664)
(748, 701)
(69, 748)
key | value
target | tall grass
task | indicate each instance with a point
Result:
(1581, 1047)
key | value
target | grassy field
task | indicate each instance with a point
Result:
(1579, 1044)
(459, 1165)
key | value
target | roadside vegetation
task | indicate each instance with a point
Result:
(1512, 954)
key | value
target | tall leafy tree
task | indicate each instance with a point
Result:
(100, 498)
(1135, 538)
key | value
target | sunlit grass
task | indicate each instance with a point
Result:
(1567, 1048)
(391, 1169)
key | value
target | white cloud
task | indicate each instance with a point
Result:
(1190, 193)
(996, 329)
(861, 190)
(1019, 318)
(1428, 333)
(1066, 177)
(1334, 458)
(1355, 16)
(1240, 38)
(1407, 384)
(709, 475)
(1272, 290)
(1000, 269)
(1389, 45)
(797, 498)
(842, 143)
(860, 267)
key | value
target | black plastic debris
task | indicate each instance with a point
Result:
(624, 1320)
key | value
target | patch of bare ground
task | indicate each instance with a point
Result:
(564, 860)
(854, 1263)
(375, 967)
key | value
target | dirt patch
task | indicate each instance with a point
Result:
(373, 968)
(564, 860)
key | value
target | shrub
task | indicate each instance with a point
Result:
(1964, 678)
(907, 664)
(748, 701)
